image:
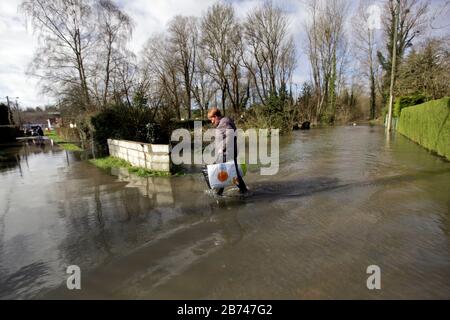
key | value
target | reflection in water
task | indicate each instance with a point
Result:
(159, 189)
(344, 198)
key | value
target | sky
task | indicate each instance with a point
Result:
(150, 16)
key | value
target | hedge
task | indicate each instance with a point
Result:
(122, 122)
(135, 124)
(407, 101)
(428, 124)
(8, 133)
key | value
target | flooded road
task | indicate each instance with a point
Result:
(343, 199)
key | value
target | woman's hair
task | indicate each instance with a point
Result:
(214, 112)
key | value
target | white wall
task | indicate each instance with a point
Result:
(144, 155)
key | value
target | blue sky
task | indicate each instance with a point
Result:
(149, 16)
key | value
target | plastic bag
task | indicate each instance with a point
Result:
(224, 174)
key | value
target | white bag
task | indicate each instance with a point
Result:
(224, 174)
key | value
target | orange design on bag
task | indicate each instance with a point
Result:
(222, 176)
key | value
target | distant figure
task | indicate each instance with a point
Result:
(40, 134)
(39, 131)
(305, 125)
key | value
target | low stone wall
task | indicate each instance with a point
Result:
(144, 155)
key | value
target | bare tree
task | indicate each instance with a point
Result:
(218, 27)
(183, 37)
(238, 79)
(125, 74)
(272, 53)
(326, 51)
(204, 85)
(115, 29)
(365, 46)
(312, 31)
(81, 42)
(412, 20)
(162, 71)
(65, 29)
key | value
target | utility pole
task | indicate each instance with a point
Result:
(18, 112)
(9, 109)
(394, 56)
(10, 117)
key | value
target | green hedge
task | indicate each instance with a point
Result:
(122, 122)
(4, 115)
(187, 124)
(403, 102)
(408, 101)
(8, 134)
(428, 124)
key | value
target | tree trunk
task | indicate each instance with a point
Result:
(372, 95)
(108, 61)
(224, 97)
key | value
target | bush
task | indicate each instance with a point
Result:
(67, 134)
(186, 124)
(407, 101)
(428, 124)
(124, 122)
(153, 132)
(277, 113)
(403, 102)
(9, 134)
(4, 114)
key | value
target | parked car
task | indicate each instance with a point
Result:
(34, 130)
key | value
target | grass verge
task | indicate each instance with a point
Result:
(60, 141)
(113, 162)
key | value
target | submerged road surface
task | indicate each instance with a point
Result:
(344, 198)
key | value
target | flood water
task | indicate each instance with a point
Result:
(343, 199)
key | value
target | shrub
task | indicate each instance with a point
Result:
(407, 101)
(4, 115)
(67, 134)
(277, 113)
(153, 132)
(186, 124)
(123, 122)
(9, 134)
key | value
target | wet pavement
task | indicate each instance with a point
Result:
(343, 199)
